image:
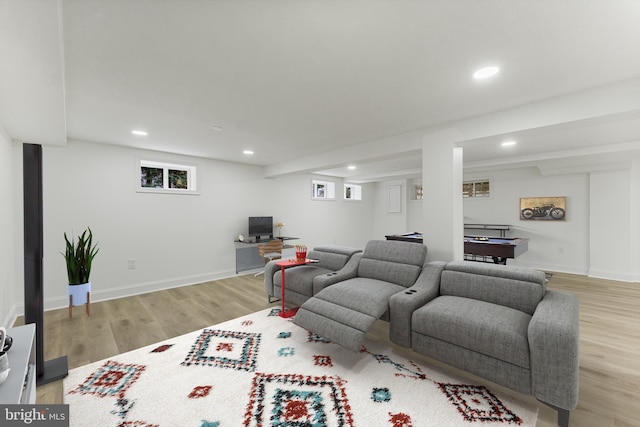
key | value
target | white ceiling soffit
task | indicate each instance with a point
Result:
(309, 86)
(574, 125)
(32, 93)
(617, 135)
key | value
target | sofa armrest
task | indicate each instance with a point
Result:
(349, 271)
(269, 270)
(403, 304)
(554, 341)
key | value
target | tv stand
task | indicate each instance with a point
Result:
(258, 238)
(248, 257)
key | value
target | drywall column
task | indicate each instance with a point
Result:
(443, 219)
(610, 223)
(635, 215)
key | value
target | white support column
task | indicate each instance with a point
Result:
(611, 225)
(635, 218)
(443, 219)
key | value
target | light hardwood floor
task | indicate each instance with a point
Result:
(609, 337)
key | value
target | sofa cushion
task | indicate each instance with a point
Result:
(396, 251)
(369, 296)
(354, 320)
(517, 288)
(490, 329)
(345, 311)
(392, 261)
(504, 271)
(298, 279)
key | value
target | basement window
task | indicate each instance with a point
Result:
(476, 189)
(323, 190)
(352, 192)
(159, 177)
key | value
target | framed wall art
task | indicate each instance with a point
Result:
(543, 208)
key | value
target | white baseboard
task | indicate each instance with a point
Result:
(142, 288)
(597, 274)
(554, 268)
(612, 275)
(131, 290)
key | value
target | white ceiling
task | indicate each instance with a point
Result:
(296, 80)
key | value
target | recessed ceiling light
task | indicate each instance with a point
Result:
(139, 132)
(508, 143)
(216, 128)
(247, 152)
(351, 167)
(485, 72)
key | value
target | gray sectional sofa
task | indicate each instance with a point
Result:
(346, 310)
(304, 281)
(498, 322)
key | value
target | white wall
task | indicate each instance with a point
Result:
(318, 222)
(414, 208)
(385, 222)
(600, 236)
(408, 221)
(611, 242)
(179, 239)
(174, 239)
(553, 245)
(635, 218)
(7, 231)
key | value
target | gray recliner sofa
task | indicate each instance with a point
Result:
(304, 281)
(497, 322)
(346, 310)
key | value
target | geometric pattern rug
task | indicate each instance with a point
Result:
(262, 370)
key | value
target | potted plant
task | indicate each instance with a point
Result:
(79, 257)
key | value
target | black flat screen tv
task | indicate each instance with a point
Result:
(261, 226)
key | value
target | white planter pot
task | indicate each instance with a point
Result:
(79, 293)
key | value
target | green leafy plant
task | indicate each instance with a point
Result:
(79, 257)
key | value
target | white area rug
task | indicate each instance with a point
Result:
(262, 370)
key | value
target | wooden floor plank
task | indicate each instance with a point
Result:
(609, 337)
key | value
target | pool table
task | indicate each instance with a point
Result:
(499, 249)
(479, 248)
(408, 237)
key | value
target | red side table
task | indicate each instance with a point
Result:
(283, 265)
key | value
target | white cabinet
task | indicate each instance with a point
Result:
(20, 386)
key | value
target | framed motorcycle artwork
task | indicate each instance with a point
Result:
(543, 208)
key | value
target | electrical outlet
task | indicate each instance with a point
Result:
(132, 264)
